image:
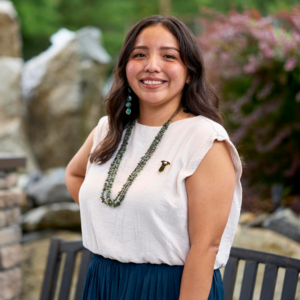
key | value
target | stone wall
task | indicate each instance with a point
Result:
(10, 234)
(13, 137)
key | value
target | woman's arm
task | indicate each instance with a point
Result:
(210, 192)
(75, 171)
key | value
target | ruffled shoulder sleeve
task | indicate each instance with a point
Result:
(203, 136)
(99, 135)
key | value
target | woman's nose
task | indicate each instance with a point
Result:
(152, 64)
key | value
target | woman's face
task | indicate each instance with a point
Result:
(154, 70)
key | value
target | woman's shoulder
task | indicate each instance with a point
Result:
(101, 129)
(103, 120)
(204, 132)
(206, 126)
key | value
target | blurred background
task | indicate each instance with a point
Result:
(56, 64)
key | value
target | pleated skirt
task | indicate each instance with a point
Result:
(109, 279)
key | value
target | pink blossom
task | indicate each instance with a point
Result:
(289, 45)
(252, 66)
(296, 36)
(266, 50)
(296, 21)
(290, 64)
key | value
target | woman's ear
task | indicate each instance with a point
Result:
(188, 79)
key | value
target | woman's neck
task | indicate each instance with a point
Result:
(158, 117)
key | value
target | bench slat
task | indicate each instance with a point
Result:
(289, 285)
(85, 260)
(269, 283)
(229, 277)
(248, 280)
(67, 276)
(71, 246)
(52, 269)
(266, 258)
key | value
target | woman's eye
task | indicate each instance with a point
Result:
(170, 56)
(138, 55)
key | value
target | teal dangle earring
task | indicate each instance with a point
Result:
(128, 103)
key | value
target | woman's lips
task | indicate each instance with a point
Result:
(152, 86)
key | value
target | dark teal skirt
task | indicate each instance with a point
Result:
(109, 279)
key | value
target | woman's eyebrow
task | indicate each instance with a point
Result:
(162, 48)
(167, 48)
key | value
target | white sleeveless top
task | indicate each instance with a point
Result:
(151, 224)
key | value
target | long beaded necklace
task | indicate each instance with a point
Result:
(112, 173)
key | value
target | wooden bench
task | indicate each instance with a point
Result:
(252, 259)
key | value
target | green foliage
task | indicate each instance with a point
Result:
(38, 19)
(41, 18)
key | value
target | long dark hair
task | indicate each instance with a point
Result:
(198, 96)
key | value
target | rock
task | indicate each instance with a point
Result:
(11, 283)
(10, 91)
(246, 217)
(10, 37)
(35, 255)
(8, 179)
(276, 194)
(258, 221)
(62, 90)
(12, 197)
(63, 215)
(9, 216)
(31, 178)
(50, 188)
(90, 48)
(261, 239)
(10, 256)
(285, 222)
(13, 137)
(10, 235)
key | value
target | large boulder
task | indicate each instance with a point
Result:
(63, 215)
(62, 89)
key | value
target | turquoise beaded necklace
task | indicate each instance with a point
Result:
(112, 173)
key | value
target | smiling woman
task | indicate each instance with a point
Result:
(160, 194)
(156, 52)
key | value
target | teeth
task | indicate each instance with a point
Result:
(150, 82)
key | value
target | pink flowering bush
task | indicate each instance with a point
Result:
(254, 62)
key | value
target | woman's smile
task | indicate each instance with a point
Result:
(153, 83)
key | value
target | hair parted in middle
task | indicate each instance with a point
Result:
(199, 97)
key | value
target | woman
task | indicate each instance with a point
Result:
(160, 194)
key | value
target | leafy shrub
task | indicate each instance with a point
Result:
(254, 62)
